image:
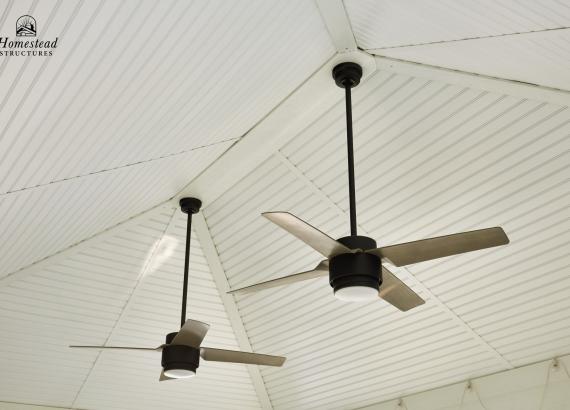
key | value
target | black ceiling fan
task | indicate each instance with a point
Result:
(182, 350)
(354, 263)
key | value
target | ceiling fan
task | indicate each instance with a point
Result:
(182, 350)
(354, 263)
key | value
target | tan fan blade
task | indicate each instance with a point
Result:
(163, 377)
(439, 247)
(191, 334)
(159, 348)
(232, 356)
(316, 239)
(321, 270)
(397, 293)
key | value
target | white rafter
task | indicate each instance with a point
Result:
(282, 124)
(338, 25)
(210, 253)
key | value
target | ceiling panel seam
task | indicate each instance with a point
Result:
(209, 249)
(127, 304)
(309, 184)
(170, 155)
(424, 289)
(84, 243)
(39, 406)
(93, 70)
(376, 50)
(474, 80)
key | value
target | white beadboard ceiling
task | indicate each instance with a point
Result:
(134, 89)
(386, 23)
(141, 97)
(123, 290)
(432, 158)
(543, 385)
(541, 58)
(42, 221)
(518, 40)
(153, 312)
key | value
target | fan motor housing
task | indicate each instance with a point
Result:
(179, 356)
(358, 242)
(355, 269)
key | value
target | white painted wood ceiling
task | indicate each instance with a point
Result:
(133, 92)
(142, 96)
(432, 159)
(123, 290)
(522, 40)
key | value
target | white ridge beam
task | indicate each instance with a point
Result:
(338, 25)
(210, 252)
(317, 94)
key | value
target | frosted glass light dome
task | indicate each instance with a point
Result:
(357, 294)
(179, 373)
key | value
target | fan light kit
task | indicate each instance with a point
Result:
(182, 350)
(354, 263)
(356, 293)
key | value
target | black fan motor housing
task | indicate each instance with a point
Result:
(355, 269)
(358, 242)
(179, 356)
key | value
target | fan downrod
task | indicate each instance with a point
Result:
(348, 75)
(189, 206)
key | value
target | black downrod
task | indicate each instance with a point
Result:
(189, 206)
(350, 155)
(348, 75)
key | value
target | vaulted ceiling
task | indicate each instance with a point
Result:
(461, 122)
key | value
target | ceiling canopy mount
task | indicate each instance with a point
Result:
(347, 74)
(190, 205)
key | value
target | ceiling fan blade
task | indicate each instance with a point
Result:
(320, 270)
(233, 356)
(191, 334)
(441, 246)
(159, 348)
(316, 239)
(397, 293)
(163, 377)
